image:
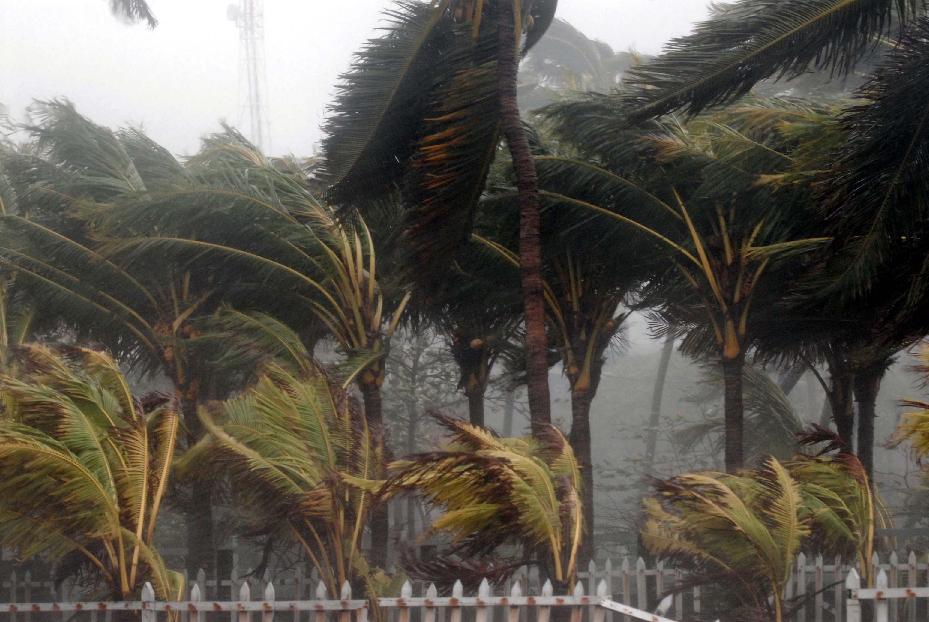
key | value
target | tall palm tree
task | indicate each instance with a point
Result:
(496, 491)
(423, 108)
(87, 468)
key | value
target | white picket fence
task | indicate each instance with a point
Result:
(817, 588)
(819, 591)
(430, 607)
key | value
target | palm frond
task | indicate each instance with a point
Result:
(747, 41)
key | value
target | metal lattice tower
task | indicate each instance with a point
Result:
(248, 16)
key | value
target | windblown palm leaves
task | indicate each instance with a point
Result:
(133, 11)
(419, 111)
(877, 191)
(86, 467)
(52, 246)
(496, 491)
(747, 528)
(747, 41)
(293, 448)
(708, 205)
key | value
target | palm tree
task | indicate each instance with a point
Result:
(88, 467)
(588, 275)
(496, 491)
(424, 108)
(745, 529)
(707, 202)
(298, 454)
(268, 244)
(143, 314)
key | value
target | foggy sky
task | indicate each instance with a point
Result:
(180, 79)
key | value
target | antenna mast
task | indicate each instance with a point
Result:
(248, 16)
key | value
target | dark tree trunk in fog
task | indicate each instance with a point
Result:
(380, 519)
(654, 417)
(530, 245)
(509, 406)
(476, 406)
(790, 377)
(841, 383)
(867, 387)
(580, 442)
(198, 510)
(734, 409)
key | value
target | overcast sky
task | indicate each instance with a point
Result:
(179, 80)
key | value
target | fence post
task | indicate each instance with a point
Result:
(513, 612)
(852, 604)
(911, 571)
(837, 577)
(483, 593)
(881, 604)
(818, 584)
(591, 576)
(346, 595)
(148, 598)
(598, 613)
(431, 594)
(641, 589)
(27, 595)
(13, 590)
(457, 593)
(577, 611)
(406, 592)
(298, 590)
(801, 586)
(196, 597)
(627, 585)
(659, 579)
(268, 614)
(544, 612)
(245, 595)
(894, 579)
(608, 571)
(320, 615)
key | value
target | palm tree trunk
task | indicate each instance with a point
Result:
(476, 406)
(509, 408)
(734, 412)
(867, 386)
(201, 550)
(530, 246)
(380, 519)
(841, 384)
(654, 418)
(581, 443)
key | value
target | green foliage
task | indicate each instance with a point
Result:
(746, 528)
(299, 458)
(418, 111)
(87, 467)
(496, 491)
